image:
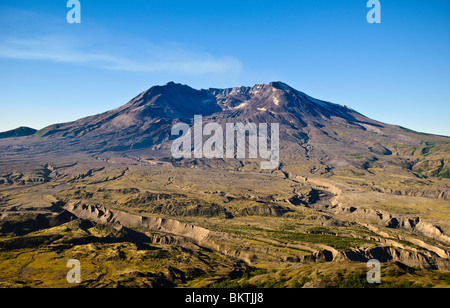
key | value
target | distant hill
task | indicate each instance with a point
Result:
(18, 132)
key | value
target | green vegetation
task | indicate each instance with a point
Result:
(358, 280)
(415, 132)
(443, 276)
(335, 241)
(351, 277)
(108, 257)
(320, 230)
(356, 156)
(441, 173)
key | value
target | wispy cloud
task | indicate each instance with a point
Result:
(152, 58)
(107, 51)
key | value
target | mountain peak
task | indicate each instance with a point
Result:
(246, 90)
(172, 84)
(281, 86)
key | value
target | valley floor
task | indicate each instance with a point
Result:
(150, 224)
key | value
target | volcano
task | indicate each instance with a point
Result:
(322, 135)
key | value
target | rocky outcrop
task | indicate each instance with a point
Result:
(170, 231)
(426, 260)
(411, 224)
(104, 215)
(424, 193)
(175, 204)
(16, 224)
(217, 241)
(264, 210)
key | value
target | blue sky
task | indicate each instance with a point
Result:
(396, 72)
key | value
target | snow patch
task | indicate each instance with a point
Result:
(240, 106)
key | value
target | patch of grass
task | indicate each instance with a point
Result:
(320, 230)
(337, 242)
(356, 156)
(358, 280)
(443, 276)
(301, 282)
(444, 174)
(231, 284)
(415, 132)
